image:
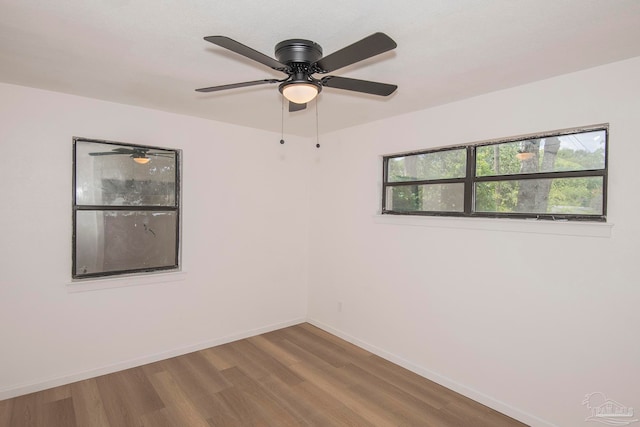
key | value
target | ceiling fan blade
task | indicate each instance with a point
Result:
(236, 85)
(246, 51)
(364, 86)
(370, 46)
(296, 107)
(106, 153)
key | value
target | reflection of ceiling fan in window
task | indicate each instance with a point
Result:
(139, 155)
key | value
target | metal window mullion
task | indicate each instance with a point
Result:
(426, 182)
(420, 152)
(542, 175)
(469, 182)
(385, 178)
(605, 176)
(125, 208)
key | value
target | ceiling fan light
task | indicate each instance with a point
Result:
(141, 160)
(524, 156)
(300, 93)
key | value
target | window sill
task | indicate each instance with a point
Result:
(123, 281)
(565, 228)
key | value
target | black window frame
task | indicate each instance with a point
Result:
(176, 208)
(470, 179)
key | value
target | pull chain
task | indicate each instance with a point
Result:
(282, 123)
(317, 126)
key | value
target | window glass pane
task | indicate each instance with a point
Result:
(580, 151)
(120, 175)
(430, 197)
(436, 165)
(108, 241)
(576, 196)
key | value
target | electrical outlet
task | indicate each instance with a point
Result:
(339, 306)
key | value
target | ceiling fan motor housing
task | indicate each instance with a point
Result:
(298, 50)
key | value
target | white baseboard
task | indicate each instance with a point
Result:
(482, 398)
(19, 390)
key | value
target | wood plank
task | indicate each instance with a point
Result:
(87, 404)
(218, 360)
(350, 348)
(243, 408)
(59, 413)
(428, 391)
(127, 395)
(250, 356)
(328, 383)
(26, 411)
(195, 374)
(6, 409)
(340, 417)
(329, 410)
(159, 418)
(371, 381)
(179, 408)
(289, 398)
(331, 353)
(56, 393)
(261, 399)
(274, 350)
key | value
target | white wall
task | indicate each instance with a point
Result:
(245, 236)
(527, 320)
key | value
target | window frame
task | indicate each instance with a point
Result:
(470, 179)
(176, 208)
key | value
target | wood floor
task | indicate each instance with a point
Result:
(297, 376)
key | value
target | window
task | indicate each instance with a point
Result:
(126, 208)
(558, 175)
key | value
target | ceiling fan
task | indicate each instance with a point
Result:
(139, 155)
(300, 59)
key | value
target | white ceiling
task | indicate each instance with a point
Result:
(151, 53)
